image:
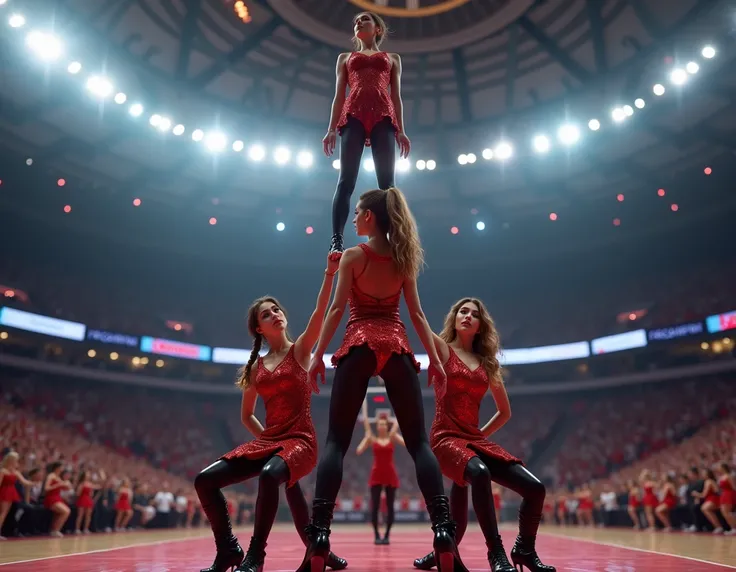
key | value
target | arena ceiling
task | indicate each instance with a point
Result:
(474, 71)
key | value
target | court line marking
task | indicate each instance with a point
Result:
(612, 545)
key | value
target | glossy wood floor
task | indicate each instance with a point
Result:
(569, 549)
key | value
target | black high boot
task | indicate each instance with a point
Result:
(524, 553)
(336, 246)
(425, 562)
(229, 555)
(497, 557)
(446, 555)
(255, 557)
(318, 533)
(335, 562)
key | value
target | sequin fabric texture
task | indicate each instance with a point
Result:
(376, 323)
(289, 432)
(455, 436)
(369, 78)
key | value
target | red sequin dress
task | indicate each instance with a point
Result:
(84, 500)
(375, 322)
(289, 431)
(383, 472)
(369, 78)
(8, 492)
(455, 437)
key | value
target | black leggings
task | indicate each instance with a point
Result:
(352, 142)
(479, 472)
(348, 391)
(376, 505)
(272, 472)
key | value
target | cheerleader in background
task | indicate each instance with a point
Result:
(711, 500)
(634, 504)
(52, 500)
(123, 509)
(727, 484)
(9, 475)
(85, 503)
(669, 501)
(585, 506)
(650, 500)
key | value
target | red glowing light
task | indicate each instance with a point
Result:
(379, 399)
(675, 208)
(617, 222)
(1, 181)
(552, 216)
(660, 192)
(708, 171)
(10, 293)
(454, 230)
(67, 209)
(136, 202)
(620, 197)
(632, 316)
(61, 182)
(310, 230)
(213, 221)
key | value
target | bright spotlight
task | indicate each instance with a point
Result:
(197, 135)
(74, 68)
(16, 21)
(256, 153)
(136, 109)
(639, 103)
(238, 146)
(368, 165)
(304, 159)
(155, 120)
(504, 151)
(421, 165)
(462, 159)
(618, 114)
(487, 154)
(280, 226)
(692, 67)
(164, 124)
(178, 129)
(431, 165)
(678, 76)
(336, 164)
(403, 165)
(45, 46)
(216, 141)
(471, 158)
(480, 225)
(281, 155)
(658, 89)
(120, 98)
(568, 134)
(100, 86)
(708, 52)
(628, 110)
(541, 143)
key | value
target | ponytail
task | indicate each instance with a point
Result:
(244, 373)
(406, 248)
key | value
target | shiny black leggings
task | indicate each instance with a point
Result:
(348, 391)
(272, 472)
(376, 506)
(352, 142)
(479, 473)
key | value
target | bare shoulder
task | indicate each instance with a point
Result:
(351, 255)
(343, 56)
(395, 58)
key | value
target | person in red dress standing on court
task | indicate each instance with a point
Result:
(468, 346)
(282, 452)
(85, 502)
(383, 473)
(649, 500)
(372, 278)
(9, 475)
(372, 115)
(727, 500)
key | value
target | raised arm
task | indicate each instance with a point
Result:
(366, 421)
(503, 407)
(304, 343)
(394, 434)
(364, 444)
(247, 412)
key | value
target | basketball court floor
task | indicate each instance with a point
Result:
(569, 549)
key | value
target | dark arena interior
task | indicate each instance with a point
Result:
(572, 165)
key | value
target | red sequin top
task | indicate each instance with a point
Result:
(289, 431)
(375, 322)
(455, 436)
(383, 472)
(369, 78)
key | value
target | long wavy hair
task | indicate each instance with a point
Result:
(486, 342)
(379, 22)
(244, 372)
(394, 219)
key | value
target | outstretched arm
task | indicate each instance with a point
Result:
(25, 482)
(304, 343)
(247, 412)
(503, 413)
